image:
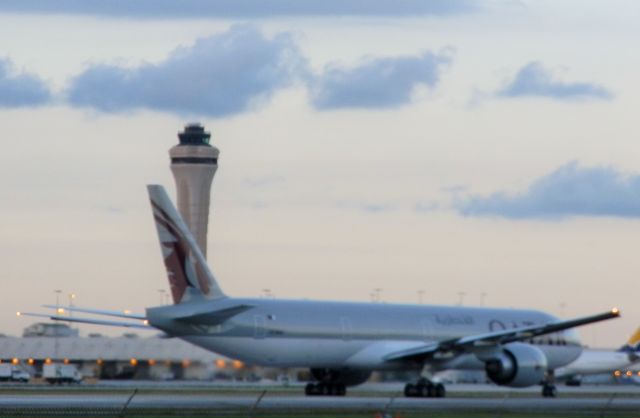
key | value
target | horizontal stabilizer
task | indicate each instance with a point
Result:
(89, 321)
(119, 314)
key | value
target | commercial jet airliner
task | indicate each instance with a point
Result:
(594, 361)
(342, 343)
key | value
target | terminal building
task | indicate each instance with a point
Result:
(127, 357)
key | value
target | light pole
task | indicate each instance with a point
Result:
(55, 329)
(461, 298)
(57, 292)
(72, 297)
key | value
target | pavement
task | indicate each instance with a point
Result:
(463, 398)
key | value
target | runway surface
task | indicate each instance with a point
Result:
(213, 402)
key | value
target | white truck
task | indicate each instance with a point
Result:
(10, 372)
(61, 373)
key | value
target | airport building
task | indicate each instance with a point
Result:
(127, 357)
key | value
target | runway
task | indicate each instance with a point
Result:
(624, 402)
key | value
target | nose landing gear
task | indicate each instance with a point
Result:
(549, 390)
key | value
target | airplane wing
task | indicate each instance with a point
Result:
(141, 325)
(468, 343)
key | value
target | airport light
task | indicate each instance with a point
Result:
(18, 313)
(133, 362)
(15, 361)
(65, 361)
(99, 362)
(221, 364)
(48, 361)
(617, 373)
(30, 362)
(151, 362)
(629, 373)
(237, 364)
(186, 363)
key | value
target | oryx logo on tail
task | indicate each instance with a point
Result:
(184, 262)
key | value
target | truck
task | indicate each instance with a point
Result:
(61, 373)
(13, 373)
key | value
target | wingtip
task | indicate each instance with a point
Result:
(615, 311)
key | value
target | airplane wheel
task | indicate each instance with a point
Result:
(425, 390)
(439, 391)
(310, 389)
(549, 391)
(323, 389)
(409, 390)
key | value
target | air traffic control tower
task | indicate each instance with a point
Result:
(193, 163)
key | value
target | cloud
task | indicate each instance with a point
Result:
(21, 89)
(217, 76)
(173, 9)
(533, 80)
(569, 191)
(377, 82)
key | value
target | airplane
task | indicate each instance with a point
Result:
(593, 361)
(342, 343)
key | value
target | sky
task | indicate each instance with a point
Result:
(457, 152)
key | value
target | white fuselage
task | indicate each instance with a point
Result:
(593, 361)
(289, 333)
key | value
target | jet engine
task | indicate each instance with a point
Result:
(347, 377)
(517, 365)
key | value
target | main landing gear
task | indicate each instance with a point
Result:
(325, 389)
(424, 388)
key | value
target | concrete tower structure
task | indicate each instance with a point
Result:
(193, 163)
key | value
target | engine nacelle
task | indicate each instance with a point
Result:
(347, 377)
(517, 365)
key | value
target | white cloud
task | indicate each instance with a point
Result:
(533, 80)
(569, 191)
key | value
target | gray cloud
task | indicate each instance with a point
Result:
(173, 9)
(21, 89)
(377, 82)
(569, 191)
(218, 76)
(533, 80)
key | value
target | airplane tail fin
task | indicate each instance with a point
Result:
(187, 270)
(633, 345)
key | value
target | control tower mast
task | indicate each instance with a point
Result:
(193, 163)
